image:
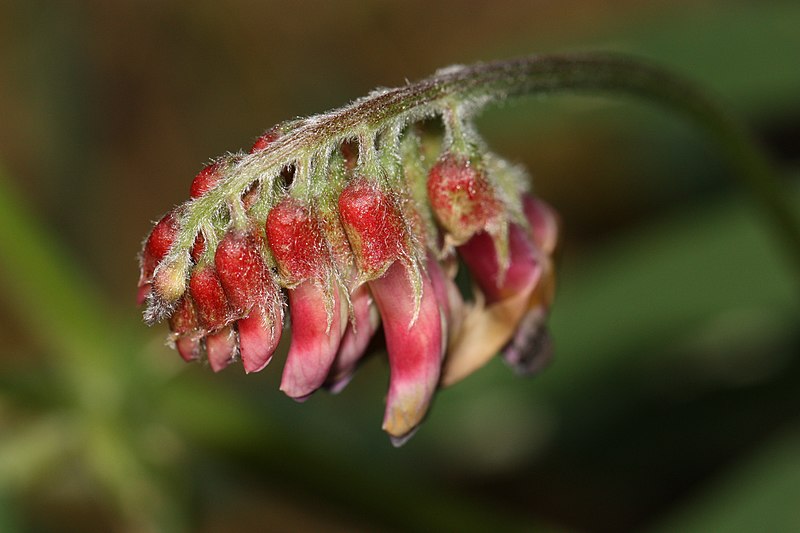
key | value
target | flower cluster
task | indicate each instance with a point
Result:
(366, 229)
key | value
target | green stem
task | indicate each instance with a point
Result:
(485, 83)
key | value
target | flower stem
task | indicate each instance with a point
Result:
(485, 83)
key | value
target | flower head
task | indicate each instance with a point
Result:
(358, 227)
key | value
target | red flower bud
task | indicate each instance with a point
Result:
(155, 249)
(209, 298)
(265, 140)
(205, 180)
(461, 197)
(374, 227)
(296, 241)
(242, 271)
(253, 295)
(185, 329)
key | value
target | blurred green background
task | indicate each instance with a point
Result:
(672, 403)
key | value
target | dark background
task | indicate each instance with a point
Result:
(673, 400)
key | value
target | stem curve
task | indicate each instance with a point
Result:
(483, 83)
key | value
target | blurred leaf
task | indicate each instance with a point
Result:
(9, 513)
(660, 278)
(55, 302)
(759, 494)
(745, 51)
(26, 455)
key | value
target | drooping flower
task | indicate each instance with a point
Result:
(406, 301)
(252, 293)
(514, 300)
(315, 304)
(363, 231)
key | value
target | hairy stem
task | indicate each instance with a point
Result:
(481, 84)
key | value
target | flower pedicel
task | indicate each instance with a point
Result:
(359, 219)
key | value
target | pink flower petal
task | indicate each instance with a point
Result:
(314, 343)
(447, 294)
(143, 292)
(415, 348)
(221, 348)
(531, 348)
(481, 258)
(492, 321)
(357, 335)
(188, 348)
(259, 335)
(544, 223)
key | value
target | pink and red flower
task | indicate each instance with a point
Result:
(359, 250)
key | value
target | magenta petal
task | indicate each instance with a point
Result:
(259, 334)
(481, 258)
(221, 348)
(188, 347)
(447, 294)
(314, 344)
(143, 292)
(544, 223)
(439, 283)
(355, 340)
(415, 347)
